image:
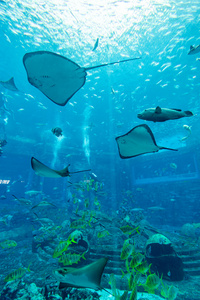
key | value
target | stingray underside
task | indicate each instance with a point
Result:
(139, 140)
(54, 75)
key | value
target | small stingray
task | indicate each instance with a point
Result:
(138, 141)
(9, 85)
(85, 277)
(23, 200)
(44, 203)
(44, 171)
(56, 76)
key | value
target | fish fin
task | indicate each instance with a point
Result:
(63, 285)
(176, 109)
(191, 47)
(158, 110)
(28, 269)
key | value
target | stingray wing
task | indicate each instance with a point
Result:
(94, 272)
(137, 141)
(9, 85)
(54, 75)
(85, 277)
(44, 171)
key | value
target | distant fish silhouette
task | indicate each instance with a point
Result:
(96, 45)
(9, 85)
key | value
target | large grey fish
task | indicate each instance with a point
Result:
(159, 114)
(194, 50)
(86, 277)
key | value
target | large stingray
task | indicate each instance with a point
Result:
(85, 277)
(138, 141)
(44, 171)
(56, 76)
(9, 85)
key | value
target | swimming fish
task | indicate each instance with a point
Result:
(159, 114)
(129, 230)
(136, 260)
(103, 233)
(23, 200)
(8, 244)
(127, 250)
(96, 44)
(79, 224)
(69, 259)
(44, 203)
(194, 50)
(61, 247)
(16, 274)
(57, 131)
(188, 128)
(88, 276)
(152, 283)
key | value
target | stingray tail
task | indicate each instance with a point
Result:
(80, 171)
(165, 148)
(107, 291)
(112, 63)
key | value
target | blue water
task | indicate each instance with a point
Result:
(161, 32)
(108, 103)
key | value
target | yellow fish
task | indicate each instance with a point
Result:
(62, 246)
(16, 274)
(68, 259)
(8, 244)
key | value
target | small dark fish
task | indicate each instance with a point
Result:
(57, 131)
(96, 44)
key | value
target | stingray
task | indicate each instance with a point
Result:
(138, 141)
(44, 203)
(86, 277)
(9, 85)
(44, 171)
(56, 76)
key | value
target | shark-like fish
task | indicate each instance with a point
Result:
(159, 114)
(88, 276)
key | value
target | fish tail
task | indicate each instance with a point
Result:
(28, 269)
(188, 113)
(83, 255)
(137, 229)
